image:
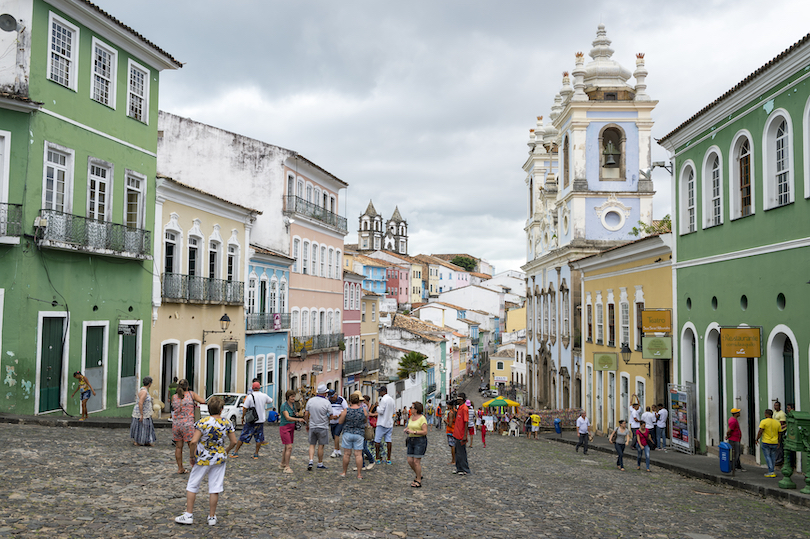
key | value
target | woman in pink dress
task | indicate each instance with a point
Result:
(183, 403)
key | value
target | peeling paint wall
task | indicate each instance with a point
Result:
(15, 66)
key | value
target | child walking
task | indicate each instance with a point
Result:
(208, 457)
(84, 385)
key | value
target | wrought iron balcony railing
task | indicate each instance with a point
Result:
(315, 343)
(295, 204)
(353, 366)
(431, 388)
(194, 289)
(10, 220)
(267, 321)
(73, 232)
(371, 365)
(475, 341)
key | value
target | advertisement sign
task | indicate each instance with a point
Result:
(656, 347)
(501, 379)
(276, 321)
(682, 416)
(740, 342)
(656, 321)
(603, 361)
(350, 379)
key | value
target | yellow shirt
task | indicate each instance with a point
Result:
(535, 420)
(780, 416)
(770, 430)
(416, 425)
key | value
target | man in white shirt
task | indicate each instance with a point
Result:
(584, 431)
(661, 427)
(260, 401)
(648, 417)
(338, 405)
(317, 414)
(635, 422)
(385, 422)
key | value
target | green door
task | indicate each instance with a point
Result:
(790, 388)
(191, 371)
(129, 378)
(228, 369)
(50, 374)
(94, 365)
(209, 371)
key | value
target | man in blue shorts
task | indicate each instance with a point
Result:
(254, 430)
(385, 422)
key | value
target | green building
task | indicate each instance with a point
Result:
(78, 139)
(741, 220)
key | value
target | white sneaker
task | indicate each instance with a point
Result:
(368, 466)
(333, 455)
(212, 520)
(185, 518)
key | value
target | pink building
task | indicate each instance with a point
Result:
(397, 284)
(352, 294)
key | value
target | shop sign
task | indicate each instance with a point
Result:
(350, 379)
(740, 342)
(605, 361)
(656, 321)
(656, 347)
(501, 379)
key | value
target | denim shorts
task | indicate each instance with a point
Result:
(336, 429)
(417, 445)
(86, 394)
(382, 433)
(451, 441)
(255, 430)
(350, 440)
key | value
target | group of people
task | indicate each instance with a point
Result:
(770, 436)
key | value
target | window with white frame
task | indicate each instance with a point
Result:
(304, 322)
(232, 265)
(251, 303)
(213, 259)
(296, 249)
(624, 321)
(105, 63)
(373, 312)
(58, 179)
(329, 320)
(138, 92)
(136, 185)
(546, 301)
(274, 295)
(315, 259)
(688, 197)
(778, 177)
(193, 256)
(600, 328)
(742, 192)
(323, 261)
(64, 52)
(363, 349)
(294, 323)
(337, 264)
(282, 297)
(553, 320)
(345, 295)
(305, 265)
(98, 189)
(329, 264)
(713, 187)
(363, 311)
(169, 252)
(316, 328)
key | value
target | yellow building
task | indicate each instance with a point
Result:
(369, 345)
(516, 319)
(202, 247)
(500, 370)
(617, 286)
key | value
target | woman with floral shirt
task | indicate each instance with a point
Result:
(208, 457)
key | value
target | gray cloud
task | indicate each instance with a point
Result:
(427, 105)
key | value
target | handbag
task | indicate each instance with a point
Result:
(368, 432)
(251, 416)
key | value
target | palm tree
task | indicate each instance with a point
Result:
(411, 362)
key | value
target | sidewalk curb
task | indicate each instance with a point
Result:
(790, 496)
(98, 423)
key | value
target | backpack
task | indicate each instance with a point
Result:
(430, 409)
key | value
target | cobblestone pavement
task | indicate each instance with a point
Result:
(76, 482)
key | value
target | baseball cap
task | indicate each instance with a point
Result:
(330, 392)
(382, 389)
(321, 388)
(256, 385)
(735, 410)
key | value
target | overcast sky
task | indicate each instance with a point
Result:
(427, 104)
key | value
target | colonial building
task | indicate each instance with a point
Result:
(78, 136)
(372, 236)
(193, 292)
(741, 169)
(587, 180)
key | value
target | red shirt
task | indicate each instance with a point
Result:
(462, 418)
(735, 435)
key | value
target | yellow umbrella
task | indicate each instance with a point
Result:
(500, 401)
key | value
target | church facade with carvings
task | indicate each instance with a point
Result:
(588, 184)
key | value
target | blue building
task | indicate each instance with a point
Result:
(374, 274)
(267, 321)
(588, 179)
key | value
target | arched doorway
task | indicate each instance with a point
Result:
(715, 401)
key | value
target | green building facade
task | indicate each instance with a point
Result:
(78, 136)
(741, 219)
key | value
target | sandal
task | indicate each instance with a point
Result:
(416, 484)
(182, 472)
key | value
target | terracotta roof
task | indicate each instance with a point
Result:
(370, 293)
(206, 193)
(430, 259)
(265, 251)
(510, 305)
(521, 341)
(481, 275)
(418, 327)
(747, 80)
(406, 258)
(349, 247)
(130, 30)
(367, 261)
(451, 256)
(347, 273)
(482, 312)
(504, 353)
(396, 348)
(468, 322)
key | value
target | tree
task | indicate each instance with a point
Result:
(464, 261)
(410, 363)
(643, 230)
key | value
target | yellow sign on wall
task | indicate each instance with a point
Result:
(653, 321)
(740, 342)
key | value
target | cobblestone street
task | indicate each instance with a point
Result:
(78, 482)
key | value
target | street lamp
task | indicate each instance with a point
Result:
(224, 322)
(627, 354)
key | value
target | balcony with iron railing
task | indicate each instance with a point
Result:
(328, 342)
(353, 366)
(178, 288)
(297, 205)
(263, 322)
(371, 365)
(431, 388)
(60, 230)
(10, 222)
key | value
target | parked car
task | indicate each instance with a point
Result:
(232, 409)
(483, 388)
(492, 393)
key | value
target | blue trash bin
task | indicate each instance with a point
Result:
(725, 456)
(558, 426)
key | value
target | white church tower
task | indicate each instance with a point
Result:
(587, 178)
